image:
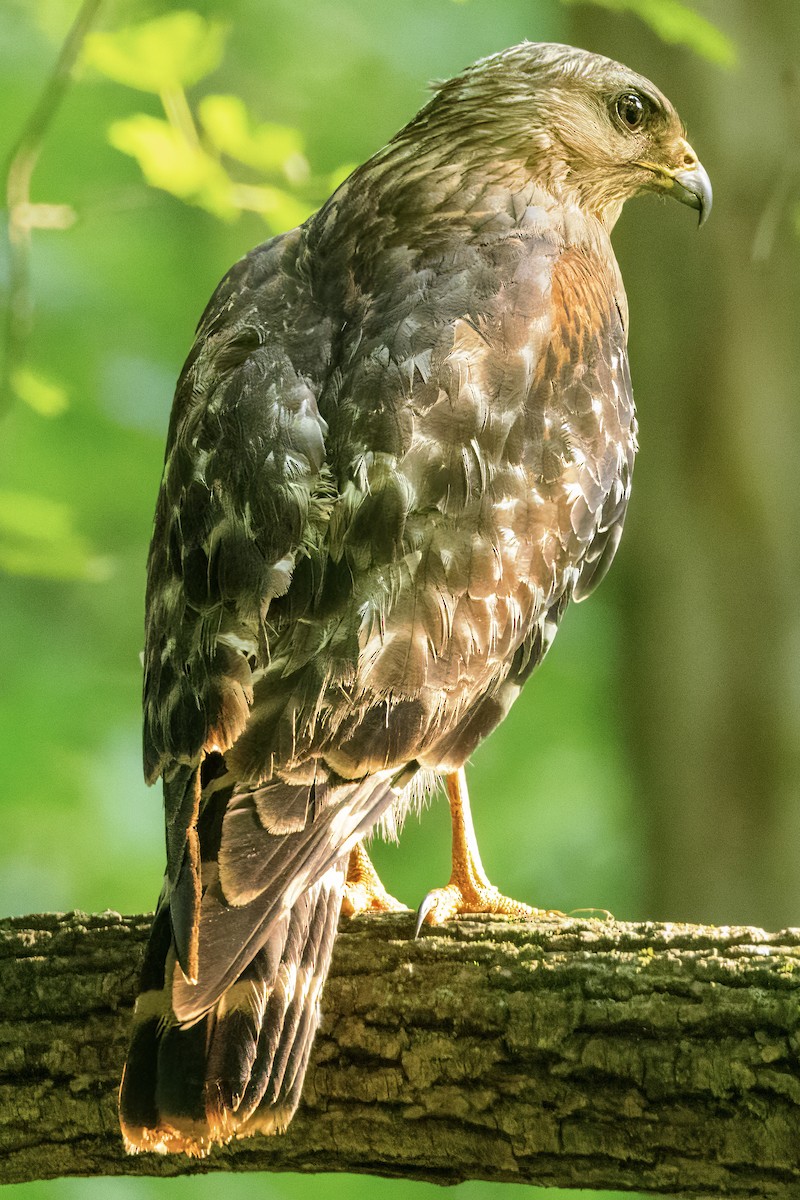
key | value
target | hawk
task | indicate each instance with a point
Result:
(401, 444)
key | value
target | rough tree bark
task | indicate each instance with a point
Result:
(587, 1054)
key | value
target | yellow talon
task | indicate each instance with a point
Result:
(469, 890)
(363, 890)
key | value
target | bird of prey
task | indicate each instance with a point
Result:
(401, 444)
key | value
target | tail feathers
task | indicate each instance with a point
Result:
(274, 1088)
(225, 1056)
(239, 1069)
(182, 795)
(262, 873)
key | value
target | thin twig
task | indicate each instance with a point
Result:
(179, 115)
(22, 215)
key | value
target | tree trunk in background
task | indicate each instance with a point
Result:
(709, 571)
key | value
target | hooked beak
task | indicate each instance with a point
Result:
(694, 188)
(688, 183)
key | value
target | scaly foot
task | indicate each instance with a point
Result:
(469, 890)
(363, 890)
(460, 899)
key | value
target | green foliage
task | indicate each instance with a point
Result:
(173, 51)
(171, 161)
(184, 154)
(45, 397)
(38, 539)
(267, 146)
(676, 23)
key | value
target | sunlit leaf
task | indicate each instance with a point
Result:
(44, 396)
(280, 209)
(170, 162)
(267, 147)
(172, 51)
(674, 22)
(37, 538)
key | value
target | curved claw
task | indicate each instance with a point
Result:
(428, 905)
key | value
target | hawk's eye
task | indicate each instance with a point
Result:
(630, 110)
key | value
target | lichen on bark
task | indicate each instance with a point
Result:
(661, 1058)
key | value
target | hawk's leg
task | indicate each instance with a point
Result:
(469, 890)
(363, 890)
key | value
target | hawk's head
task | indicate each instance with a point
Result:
(587, 127)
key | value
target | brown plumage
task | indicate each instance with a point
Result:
(403, 440)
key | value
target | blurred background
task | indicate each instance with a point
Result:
(652, 766)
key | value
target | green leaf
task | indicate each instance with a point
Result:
(280, 209)
(266, 147)
(44, 396)
(173, 51)
(677, 24)
(37, 539)
(170, 162)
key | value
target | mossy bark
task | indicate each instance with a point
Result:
(591, 1054)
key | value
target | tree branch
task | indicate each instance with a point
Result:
(570, 1053)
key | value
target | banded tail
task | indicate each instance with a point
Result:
(226, 1056)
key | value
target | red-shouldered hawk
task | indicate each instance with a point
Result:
(401, 444)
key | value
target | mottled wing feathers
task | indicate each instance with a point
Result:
(481, 438)
(244, 491)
